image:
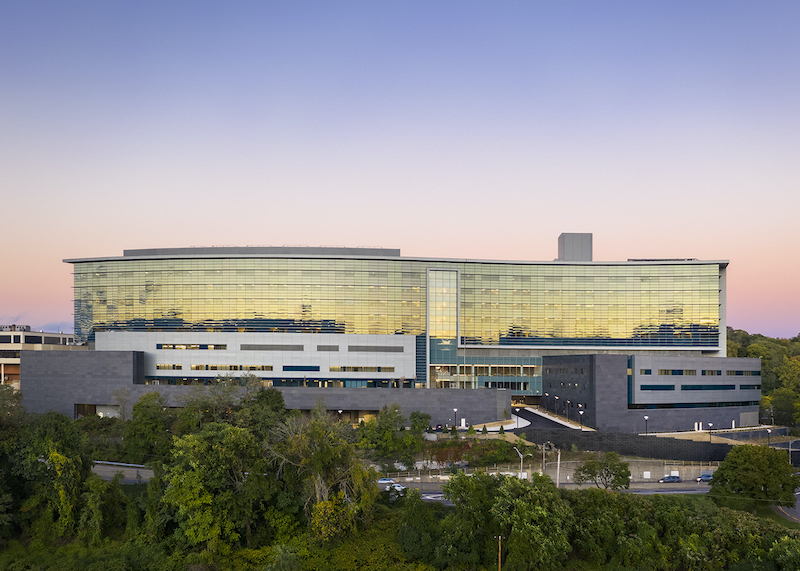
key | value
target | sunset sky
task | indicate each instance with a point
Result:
(450, 129)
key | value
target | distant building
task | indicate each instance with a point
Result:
(16, 338)
(323, 321)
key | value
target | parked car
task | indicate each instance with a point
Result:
(384, 481)
(670, 480)
(704, 478)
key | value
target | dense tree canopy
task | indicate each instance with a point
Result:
(751, 474)
(780, 373)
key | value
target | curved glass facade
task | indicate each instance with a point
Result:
(641, 304)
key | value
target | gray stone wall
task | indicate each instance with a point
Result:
(606, 399)
(60, 380)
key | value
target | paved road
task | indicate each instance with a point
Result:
(535, 421)
(792, 514)
(130, 475)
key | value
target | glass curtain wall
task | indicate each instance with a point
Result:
(615, 305)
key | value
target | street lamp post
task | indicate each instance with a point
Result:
(520, 460)
(580, 412)
(455, 418)
(547, 408)
(516, 417)
(567, 407)
(556, 405)
(710, 424)
(769, 437)
(646, 418)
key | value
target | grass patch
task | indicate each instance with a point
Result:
(766, 512)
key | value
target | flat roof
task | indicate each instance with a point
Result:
(338, 252)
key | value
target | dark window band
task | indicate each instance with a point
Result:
(374, 349)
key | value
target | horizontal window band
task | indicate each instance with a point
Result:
(272, 347)
(658, 387)
(300, 368)
(231, 367)
(327, 347)
(192, 346)
(375, 349)
(708, 387)
(691, 405)
(343, 369)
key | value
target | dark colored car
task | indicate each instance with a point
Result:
(704, 478)
(670, 480)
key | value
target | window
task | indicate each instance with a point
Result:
(708, 387)
(192, 347)
(645, 371)
(342, 369)
(216, 367)
(166, 367)
(658, 387)
(743, 373)
(712, 373)
(749, 387)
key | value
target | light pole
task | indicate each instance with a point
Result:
(646, 418)
(567, 407)
(516, 417)
(545, 402)
(769, 437)
(520, 460)
(556, 405)
(580, 412)
(710, 424)
(455, 419)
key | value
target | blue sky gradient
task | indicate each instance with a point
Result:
(452, 129)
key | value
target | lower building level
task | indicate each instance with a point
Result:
(359, 374)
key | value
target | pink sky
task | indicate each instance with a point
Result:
(446, 130)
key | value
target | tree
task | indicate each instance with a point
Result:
(320, 452)
(11, 410)
(382, 433)
(261, 411)
(147, 438)
(52, 456)
(468, 533)
(536, 522)
(607, 470)
(751, 474)
(418, 528)
(122, 397)
(216, 484)
(217, 401)
(419, 422)
(783, 402)
(789, 373)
